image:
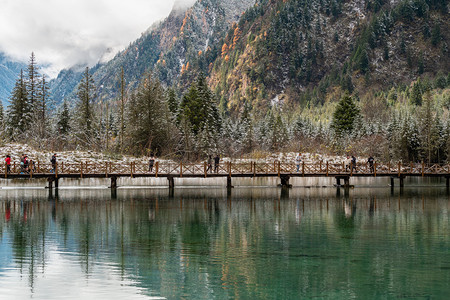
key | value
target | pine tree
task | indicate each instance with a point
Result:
(279, 135)
(64, 121)
(199, 108)
(42, 107)
(436, 35)
(122, 107)
(345, 116)
(416, 94)
(149, 125)
(19, 113)
(172, 102)
(32, 81)
(427, 130)
(85, 93)
(246, 129)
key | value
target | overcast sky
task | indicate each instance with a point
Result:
(63, 33)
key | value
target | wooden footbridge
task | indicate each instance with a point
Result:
(228, 170)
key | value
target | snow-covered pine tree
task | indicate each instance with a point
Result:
(393, 137)
(190, 110)
(199, 108)
(63, 123)
(173, 102)
(122, 108)
(33, 81)
(42, 109)
(19, 114)
(428, 133)
(412, 135)
(85, 116)
(246, 129)
(187, 140)
(209, 106)
(149, 126)
(279, 133)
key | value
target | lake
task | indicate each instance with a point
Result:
(214, 243)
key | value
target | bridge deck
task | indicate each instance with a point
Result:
(227, 169)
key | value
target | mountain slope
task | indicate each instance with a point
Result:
(9, 72)
(280, 49)
(292, 51)
(165, 49)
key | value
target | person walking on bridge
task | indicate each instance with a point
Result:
(354, 163)
(298, 161)
(151, 162)
(209, 164)
(8, 163)
(53, 161)
(371, 160)
(216, 163)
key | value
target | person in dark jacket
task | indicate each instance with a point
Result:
(151, 162)
(216, 163)
(370, 160)
(53, 161)
(354, 163)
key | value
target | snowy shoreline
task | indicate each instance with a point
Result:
(16, 150)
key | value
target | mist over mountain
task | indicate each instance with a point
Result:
(9, 71)
(164, 49)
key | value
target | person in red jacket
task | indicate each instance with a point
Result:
(8, 163)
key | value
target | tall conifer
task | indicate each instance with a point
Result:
(19, 113)
(86, 94)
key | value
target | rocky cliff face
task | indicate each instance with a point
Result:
(167, 49)
(288, 50)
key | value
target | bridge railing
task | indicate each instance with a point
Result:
(233, 168)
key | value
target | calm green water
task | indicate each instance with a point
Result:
(209, 244)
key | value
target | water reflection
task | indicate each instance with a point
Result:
(219, 243)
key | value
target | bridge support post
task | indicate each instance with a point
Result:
(392, 181)
(346, 182)
(171, 182)
(229, 185)
(285, 181)
(284, 193)
(402, 181)
(447, 182)
(50, 182)
(56, 183)
(113, 182)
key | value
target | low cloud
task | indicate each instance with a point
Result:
(75, 32)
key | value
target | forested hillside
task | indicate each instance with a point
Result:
(237, 78)
(296, 51)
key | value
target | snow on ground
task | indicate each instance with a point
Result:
(16, 150)
(290, 157)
